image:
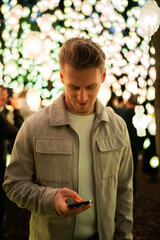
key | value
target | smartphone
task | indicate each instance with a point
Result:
(80, 204)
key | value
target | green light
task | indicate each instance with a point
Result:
(20, 79)
(146, 143)
(107, 25)
(81, 17)
(95, 15)
(67, 3)
(129, 14)
(44, 84)
(8, 157)
(29, 77)
(6, 1)
(14, 84)
(124, 50)
(92, 2)
(39, 77)
(58, 27)
(152, 50)
(23, 71)
(67, 23)
(8, 44)
(29, 85)
(141, 2)
(148, 106)
(14, 34)
(25, 25)
(154, 162)
(45, 93)
(125, 3)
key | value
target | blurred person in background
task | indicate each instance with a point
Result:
(23, 105)
(116, 103)
(136, 142)
(8, 131)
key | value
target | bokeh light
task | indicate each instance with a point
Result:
(33, 36)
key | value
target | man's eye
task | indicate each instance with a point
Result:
(74, 87)
(91, 87)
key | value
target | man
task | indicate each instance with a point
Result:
(74, 149)
(136, 142)
(8, 132)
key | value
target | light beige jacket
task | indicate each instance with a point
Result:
(45, 158)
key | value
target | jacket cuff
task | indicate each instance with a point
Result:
(48, 202)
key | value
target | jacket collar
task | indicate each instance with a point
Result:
(58, 117)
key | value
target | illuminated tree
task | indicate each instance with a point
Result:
(34, 34)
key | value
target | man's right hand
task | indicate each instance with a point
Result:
(60, 203)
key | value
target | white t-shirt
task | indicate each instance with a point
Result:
(85, 225)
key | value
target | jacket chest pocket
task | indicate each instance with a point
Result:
(110, 153)
(53, 161)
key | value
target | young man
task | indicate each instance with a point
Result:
(74, 149)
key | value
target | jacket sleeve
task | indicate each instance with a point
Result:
(20, 177)
(124, 206)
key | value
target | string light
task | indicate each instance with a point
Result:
(130, 69)
(149, 19)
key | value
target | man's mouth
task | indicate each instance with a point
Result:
(82, 104)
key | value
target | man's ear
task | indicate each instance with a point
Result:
(104, 75)
(61, 76)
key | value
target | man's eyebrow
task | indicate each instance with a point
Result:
(91, 85)
(72, 85)
(94, 84)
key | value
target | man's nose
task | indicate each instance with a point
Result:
(82, 96)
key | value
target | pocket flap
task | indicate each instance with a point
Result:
(54, 146)
(109, 144)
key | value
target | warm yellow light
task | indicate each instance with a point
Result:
(5, 35)
(13, 20)
(104, 93)
(140, 121)
(11, 68)
(152, 127)
(33, 45)
(25, 12)
(33, 99)
(5, 8)
(86, 8)
(151, 93)
(45, 71)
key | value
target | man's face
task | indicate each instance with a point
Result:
(81, 89)
(3, 97)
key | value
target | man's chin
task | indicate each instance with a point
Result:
(82, 112)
